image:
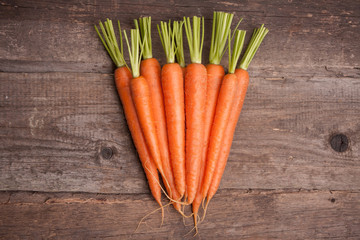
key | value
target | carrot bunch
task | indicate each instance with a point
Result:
(182, 118)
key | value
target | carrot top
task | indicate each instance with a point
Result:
(167, 40)
(144, 25)
(256, 39)
(110, 42)
(134, 53)
(237, 47)
(179, 51)
(193, 37)
(220, 30)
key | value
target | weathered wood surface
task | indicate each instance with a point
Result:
(233, 214)
(52, 142)
(47, 36)
(59, 110)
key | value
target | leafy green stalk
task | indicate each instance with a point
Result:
(134, 53)
(167, 40)
(144, 25)
(237, 48)
(220, 30)
(179, 51)
(110, 42)
(256, 39)
(193, 37)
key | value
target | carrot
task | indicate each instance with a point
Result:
(151, 70)
(122, 79)
(215, 73)
(179, 53)
(141, 95)
(243, 79)
(223, 111)
(173, 89)
(195, 101)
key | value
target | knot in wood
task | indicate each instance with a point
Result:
(339, 142)
(106, 152)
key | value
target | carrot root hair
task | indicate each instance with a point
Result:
(190, 232)
(184, 216)
(157, 209)
(202, 204)
(163, 190)
(196, 231)
(206, 206)
(196, 221)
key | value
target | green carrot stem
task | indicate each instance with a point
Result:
(167, 40)
(220, 30)
(179, 51)
(134, 53)
(237, 48)
(144, 25)
(110, 42)
(255, 42)
(195, 38)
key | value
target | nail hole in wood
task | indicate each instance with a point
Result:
(106, 152)
(339, 142)
(332, 200)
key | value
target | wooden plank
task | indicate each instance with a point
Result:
(60, 36)
(53, 127)
(233, 214)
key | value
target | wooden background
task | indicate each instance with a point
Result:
(68, 168)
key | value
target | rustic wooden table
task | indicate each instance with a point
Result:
(68, 168)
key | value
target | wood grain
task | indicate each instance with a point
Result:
(60, 36)
(59, 110)
(62, 120)
(235, 214)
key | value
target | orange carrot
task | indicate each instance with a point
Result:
(195, 101)
(150, 69)
(243, 82)
(173, 89)
(215, 73)
(122, 79)
(223, 112)
(141, 95)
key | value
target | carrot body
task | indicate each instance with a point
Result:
(221, 118)
(150, 69)
(140, 91)
(122, 79)
(173, 89)
(215, 74)
(243, 82)
(195, 101)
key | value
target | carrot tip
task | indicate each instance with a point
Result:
(166, 195)
(190, 232)
(206, 206)
(196, 224)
